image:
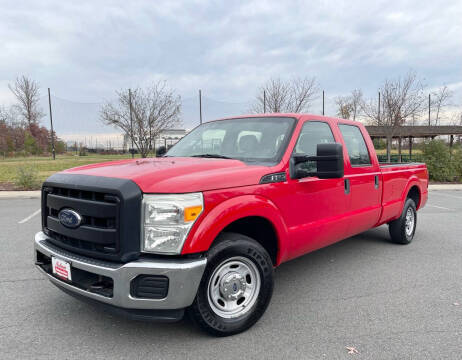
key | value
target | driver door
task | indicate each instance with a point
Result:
(317, 206)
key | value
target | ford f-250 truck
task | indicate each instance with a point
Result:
(202, 228)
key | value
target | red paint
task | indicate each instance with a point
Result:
(306, 214)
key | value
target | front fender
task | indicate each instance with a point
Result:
(213, 222)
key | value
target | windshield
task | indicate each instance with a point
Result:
(260, 139)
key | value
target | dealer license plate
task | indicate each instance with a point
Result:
(61, 268)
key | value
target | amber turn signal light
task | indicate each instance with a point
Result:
(191, 213)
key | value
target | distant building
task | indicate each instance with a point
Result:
(169, 137)
(119, 142)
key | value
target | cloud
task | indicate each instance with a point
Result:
(85, 50)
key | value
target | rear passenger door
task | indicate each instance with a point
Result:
(362, 180)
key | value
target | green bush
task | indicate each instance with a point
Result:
(30, 144)
(60, 147)
(26, 178)
(379, 144)
(441, 164)
(457, 161)
(82, 151)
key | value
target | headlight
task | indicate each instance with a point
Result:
(167, 220)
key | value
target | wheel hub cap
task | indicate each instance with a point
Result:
(234, 287)
(410, 220)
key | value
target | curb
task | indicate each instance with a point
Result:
(20, 194)
(445, 187)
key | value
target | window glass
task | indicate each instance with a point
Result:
(250, 139)
(312, 134)
(212, 139)
(355, 144)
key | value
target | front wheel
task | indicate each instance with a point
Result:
(236, 287)
(402, 230)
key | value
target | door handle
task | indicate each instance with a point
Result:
(347, 186)
(376, 181)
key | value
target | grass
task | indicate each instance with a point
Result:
(46, 167)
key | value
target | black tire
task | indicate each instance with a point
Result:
(398, 227)
(229, 246)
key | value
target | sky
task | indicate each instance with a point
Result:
(86, 50)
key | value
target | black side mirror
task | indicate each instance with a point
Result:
(329, 161)
(161, 151)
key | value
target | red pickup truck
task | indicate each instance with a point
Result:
(202, 228)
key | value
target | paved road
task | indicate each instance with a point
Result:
(387, 301)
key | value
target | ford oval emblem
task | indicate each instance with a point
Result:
(70, 218)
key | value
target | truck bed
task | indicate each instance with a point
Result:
(397, 179)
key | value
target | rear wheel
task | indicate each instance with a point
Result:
(236, 287)
(402, 230)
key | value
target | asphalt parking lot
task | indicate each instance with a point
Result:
(387, 301)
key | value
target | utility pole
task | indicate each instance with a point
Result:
(429, 104)
(131, 120)
(323, 102)
(51, 124)
(264, 101)
(200, 106)
(378, 112)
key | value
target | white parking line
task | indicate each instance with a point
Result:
(29, 217)
(440, 207)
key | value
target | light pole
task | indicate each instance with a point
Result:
(51, 125)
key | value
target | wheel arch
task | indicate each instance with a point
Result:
(414, 194)
(259, 229)
(412, 190)
(243, 214)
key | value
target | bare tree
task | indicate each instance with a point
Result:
(356, 101)
(154, 109)
(4, 130)
(294, 95)
(27, 93)
(439, 100)
(344, 109)
(10, 116)
(456, 119)
(402, 100)
(3, 115)
(349, 107)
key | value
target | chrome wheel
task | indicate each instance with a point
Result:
(234, 287)
(410, 221)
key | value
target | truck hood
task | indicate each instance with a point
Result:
(178, 175)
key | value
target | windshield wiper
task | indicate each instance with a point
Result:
(218, 156)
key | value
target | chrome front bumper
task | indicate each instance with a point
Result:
(184, 277)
